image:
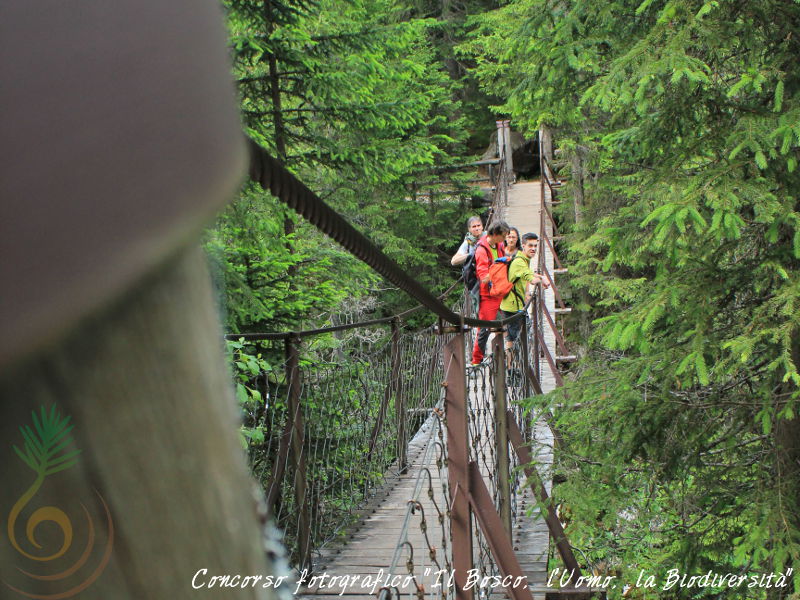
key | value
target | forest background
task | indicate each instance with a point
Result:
(677, 127)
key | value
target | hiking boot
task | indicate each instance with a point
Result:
(475, 367)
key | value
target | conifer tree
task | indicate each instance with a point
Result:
(684, 451)
(351, 97)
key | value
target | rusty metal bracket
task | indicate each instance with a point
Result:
(492, 527)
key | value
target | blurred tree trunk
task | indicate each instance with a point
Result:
(154, 418)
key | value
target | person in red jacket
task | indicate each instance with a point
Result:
(490, 247)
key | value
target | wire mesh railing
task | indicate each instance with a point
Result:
(335, 424)
(420, 562)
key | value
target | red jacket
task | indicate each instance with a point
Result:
(484, 259)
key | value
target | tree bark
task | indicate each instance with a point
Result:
(280, 131)
(578, 173)
(787, 445)
(145, 386)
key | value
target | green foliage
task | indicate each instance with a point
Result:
(685, 114)
(252, 265)
(247, 366)
(354, 98)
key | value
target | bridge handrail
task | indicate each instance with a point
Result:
(283, 335)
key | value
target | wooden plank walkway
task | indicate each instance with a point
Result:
(370, 547)
(389, 532)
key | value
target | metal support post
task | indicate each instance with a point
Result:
(298, 456)
(457, 459)
(526, 357)
(526, 370)
(501, 140)
(537, 371)
(508, 150)
(399, 398)
(501, 432)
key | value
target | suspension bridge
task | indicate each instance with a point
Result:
(396, 470)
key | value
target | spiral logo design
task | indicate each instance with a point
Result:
(46, 450)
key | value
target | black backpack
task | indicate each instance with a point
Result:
(468, 273)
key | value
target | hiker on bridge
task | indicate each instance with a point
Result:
(489, 248)
(467, 247)
(512, 242)
(520, 274)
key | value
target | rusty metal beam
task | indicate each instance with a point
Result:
(559, 338)
(279, 466)
(501, 433)
(549, 214)
(533, 381)
(378, 426)
(495, 534)
(457, 457)
(539, 491)
(550, 360)
(553, 285)
(553, 250)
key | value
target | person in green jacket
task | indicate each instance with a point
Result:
(520, 274)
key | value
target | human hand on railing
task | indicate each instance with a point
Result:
(540, 278)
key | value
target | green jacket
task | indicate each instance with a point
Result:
(519, 273)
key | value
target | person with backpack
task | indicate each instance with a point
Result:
(489, 248)
(522, 279)
(465, 256)
(467, 247)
